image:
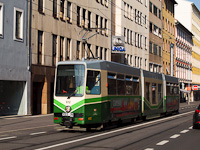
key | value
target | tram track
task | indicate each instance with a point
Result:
(117, 133)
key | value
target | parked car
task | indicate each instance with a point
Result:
(196, 118)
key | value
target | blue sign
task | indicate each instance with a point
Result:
(118, 49)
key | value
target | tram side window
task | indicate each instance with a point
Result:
(147, 95)
(112, 86)
(120, 84)
(129, 86)
(93, 85)
(159, 92)
(153, 93)
(135, 86)
(176, 89)
(169, 89)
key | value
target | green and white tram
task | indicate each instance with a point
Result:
(96, 92)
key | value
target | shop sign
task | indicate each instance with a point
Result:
(118, 44)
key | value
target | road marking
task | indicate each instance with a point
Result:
(149, 149)
(37, 133)
(175, 136)
(118, 130)
(28, 128)
(162, 142)
(184, 131)
(6, 138)
(191, 127)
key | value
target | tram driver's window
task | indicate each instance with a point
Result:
(93, 85)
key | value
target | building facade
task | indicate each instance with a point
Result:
(183, 59)
(168, 37)
(155, 36)
(65, 30)
(130, 21)
(14, 66)
(191, 21)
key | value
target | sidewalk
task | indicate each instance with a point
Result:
(185, 104)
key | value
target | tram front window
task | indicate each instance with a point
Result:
(70, 80)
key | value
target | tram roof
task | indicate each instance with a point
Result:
(171, 79)
(107, 65)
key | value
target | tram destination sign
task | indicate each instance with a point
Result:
(118, 44)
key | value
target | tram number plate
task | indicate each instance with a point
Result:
(68, 114)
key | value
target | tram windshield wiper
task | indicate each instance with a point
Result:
(72, 94)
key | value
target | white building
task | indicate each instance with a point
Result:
(131, 21)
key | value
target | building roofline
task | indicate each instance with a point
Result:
(195, 8)
(179, 23)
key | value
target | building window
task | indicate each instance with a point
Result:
(155, 49)
(135, 61)
(101, 52)
(160, 51)
(78, 49)
(150, 47)
(150, 7)
(78, 16)
(89, 19)
(151, 26)
(105, 54)
(155, 10)
(131, 37)
(40, 46)
(83, 18)
(159, 14)
(69, 11)
(97, 22)
(136, 39)
(96, 53)
(101, 24)
(1, 19)
(125, 34)
(68, 49)
(135, 15)
(55, 8)
(54, 50)
(62, 8)
(145, 42)
(106, 27)
(61, 48)
(18, 24)
(128, 36)
(40, 6)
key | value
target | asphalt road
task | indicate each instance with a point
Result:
(38, 132)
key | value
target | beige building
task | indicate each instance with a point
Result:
(130, 20)
(65, 30)
(155, 36)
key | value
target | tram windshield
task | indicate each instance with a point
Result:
(70, 80)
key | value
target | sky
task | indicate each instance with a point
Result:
(196, 2)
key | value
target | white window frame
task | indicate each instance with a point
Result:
(21, 24)
(1, 19)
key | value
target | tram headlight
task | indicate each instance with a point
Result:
(67, 109)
